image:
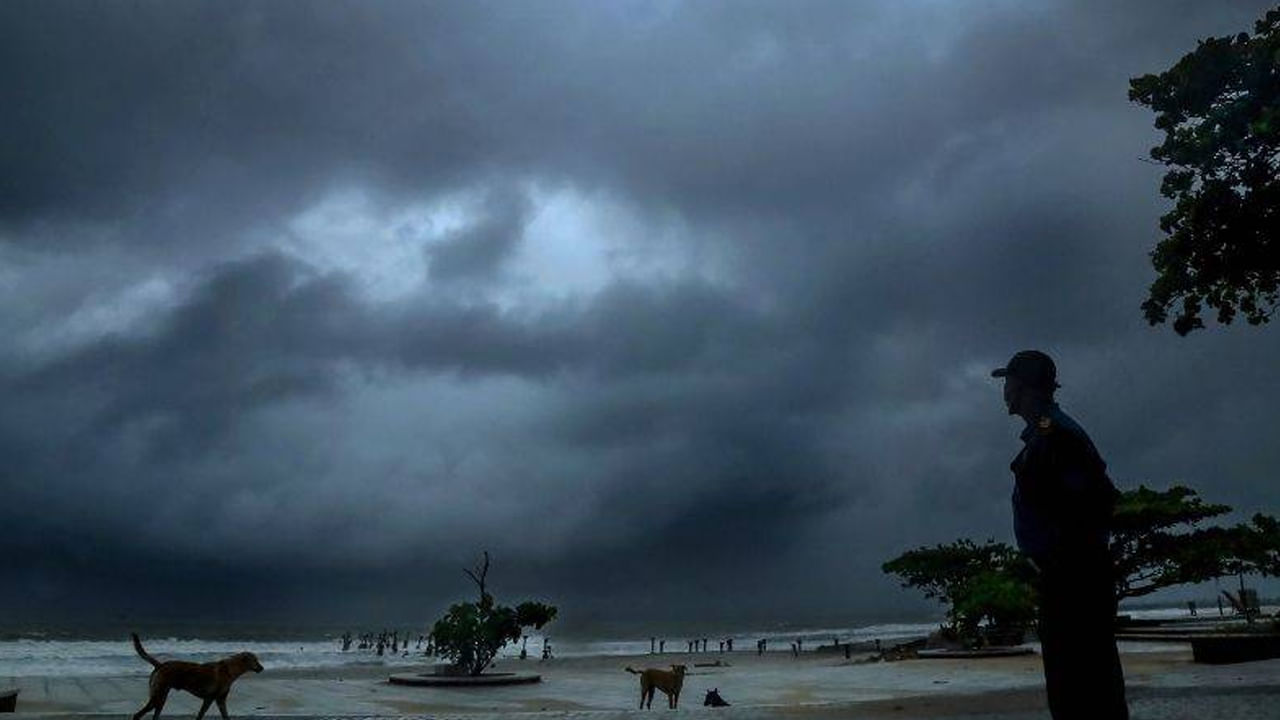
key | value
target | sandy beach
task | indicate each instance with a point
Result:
(1163, 682)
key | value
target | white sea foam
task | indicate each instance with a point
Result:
(30, 656)
(36, 657)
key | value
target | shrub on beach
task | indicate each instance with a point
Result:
(987, 587)
(471, 633)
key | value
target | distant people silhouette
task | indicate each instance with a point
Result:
(1062, 507)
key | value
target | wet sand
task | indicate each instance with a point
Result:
(774, 685)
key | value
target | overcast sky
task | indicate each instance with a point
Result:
(687, 305)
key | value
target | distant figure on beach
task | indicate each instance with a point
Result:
(1062, 507)
(1191, 606)
(662, 646)
(729, 643)
(546, 649)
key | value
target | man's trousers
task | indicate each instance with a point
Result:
(1082, 670)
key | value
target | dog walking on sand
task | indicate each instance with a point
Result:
(209, 681)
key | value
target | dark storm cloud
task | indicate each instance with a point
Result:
(894, 198)
(480, 249)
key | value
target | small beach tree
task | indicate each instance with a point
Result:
(987, 588)
(471, 633)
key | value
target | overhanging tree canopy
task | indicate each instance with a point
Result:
(1219, 107)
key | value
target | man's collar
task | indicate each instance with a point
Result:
(1050, 411)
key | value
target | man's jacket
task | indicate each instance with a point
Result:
(1062, 497)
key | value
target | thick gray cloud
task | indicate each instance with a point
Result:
(688, 302)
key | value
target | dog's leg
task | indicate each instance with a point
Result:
(204, 708)
(157, 700)
(222, 706)
(150, 704)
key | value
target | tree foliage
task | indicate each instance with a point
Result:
(982, 585)
(471, 633)
(1157, 541)
(1219, 107)
(1002, 598)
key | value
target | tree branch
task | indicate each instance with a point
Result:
(483, 572)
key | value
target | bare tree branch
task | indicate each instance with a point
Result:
(483, 572)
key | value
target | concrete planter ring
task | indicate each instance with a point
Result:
(445, 675)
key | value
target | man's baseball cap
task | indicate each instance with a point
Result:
(1031, 367)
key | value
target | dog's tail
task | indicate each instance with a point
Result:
(633, 672)
(137, 645)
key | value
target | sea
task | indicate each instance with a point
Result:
(81, 652)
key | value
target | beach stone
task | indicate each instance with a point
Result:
(940, 640)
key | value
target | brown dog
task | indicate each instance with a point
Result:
(668, 681)
(208, 681)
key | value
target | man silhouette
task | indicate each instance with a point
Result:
(1062, 505)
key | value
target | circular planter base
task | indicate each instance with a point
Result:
(487, 680)
(976, 653)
